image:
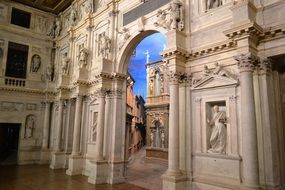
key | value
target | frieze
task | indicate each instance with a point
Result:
(12, 106)
(31, 107)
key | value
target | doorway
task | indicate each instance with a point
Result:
(9, 142)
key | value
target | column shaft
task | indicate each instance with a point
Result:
(46, 126)
(76, 132)
(173, 151)
(58, 127)
(100, 127)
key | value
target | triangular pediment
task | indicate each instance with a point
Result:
(215, 81)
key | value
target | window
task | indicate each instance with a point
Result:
(17, 60)
(20, 18)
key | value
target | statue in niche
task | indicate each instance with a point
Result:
(175, 15)
(83, 55)
(73, 16)
(150, 85)
(94, 126)
(36, 63)
(65, 64)
(151, 135)
(57, 27)
(213, 3)
(125, 35)
(29, 126)
(104, 45)
(49, 73)
(218, 136)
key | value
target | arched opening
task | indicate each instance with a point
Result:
(141, 62)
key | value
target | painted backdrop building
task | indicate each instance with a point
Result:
(63, 79)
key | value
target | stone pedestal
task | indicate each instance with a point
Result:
(171, 182)
(116, 174)
(45, 156)
(98, 172)
(57, 160)
(75, 165)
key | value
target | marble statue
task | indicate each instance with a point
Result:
(65, 64)
(161, 19)
(36, 63)
(73, 16)
(49, 73)
(219, 70)
(30, 126)
(83, 55)
(104, 45)
(89, 7)
(213, 3)
(57, 27)
(218, 136)
(151, 138)
(150, 85)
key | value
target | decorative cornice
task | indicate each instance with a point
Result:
(214, 48)
(29, 91)
(250, 28)
(175, 52)
(273, 32)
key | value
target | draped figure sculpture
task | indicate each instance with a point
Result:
(219, 132)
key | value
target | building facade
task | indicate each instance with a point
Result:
(63, 79)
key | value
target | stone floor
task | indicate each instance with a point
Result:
(141, 175)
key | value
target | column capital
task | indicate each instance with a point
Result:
(246, 62)
(101, 93)
(265, 66)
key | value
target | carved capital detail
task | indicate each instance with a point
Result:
(265, 67)
(247, 62)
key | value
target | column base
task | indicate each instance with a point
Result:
(45, 156)
(174, 181)
(75, 165)
(98, 172)
(117, 173)
(57, 160)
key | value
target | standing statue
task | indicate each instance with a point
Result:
(219, 132)
(65, 64)
(36, 63)
(150, 85)
(162, 137)
(29, 127)
(83, 54)
(104, 45)
(57, 27)
(73, 16)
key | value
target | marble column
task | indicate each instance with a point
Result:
(67, 125)
(76, 132)
(59, 127)
(108, 117)
(46, 126)
(100, 126)
(173, 150)
(250, 174)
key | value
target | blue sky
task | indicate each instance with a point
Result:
(155, 44)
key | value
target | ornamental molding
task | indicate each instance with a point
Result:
(211, 49)
(29, 91)
(250, 28)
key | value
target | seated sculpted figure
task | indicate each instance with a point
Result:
(219, 132)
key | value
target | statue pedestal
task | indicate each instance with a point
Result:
(57, 160)
(75, 166)
(98, 172)
(174, 181)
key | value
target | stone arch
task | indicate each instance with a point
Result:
(126, 51)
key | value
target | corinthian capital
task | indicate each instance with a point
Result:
(246, 62)
(265, 66)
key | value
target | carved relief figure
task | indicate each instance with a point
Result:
(125, 35)
(65, 64)
(161, 19)
(175, 12)
(83, 55)
(104, 45)
(162, 137)
(36, 63)
(29, 126)
(213, 3)
(219, 132)
(88, 7)
(50, 73)
(219, 70)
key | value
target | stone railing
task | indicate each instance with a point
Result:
(15, 82)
